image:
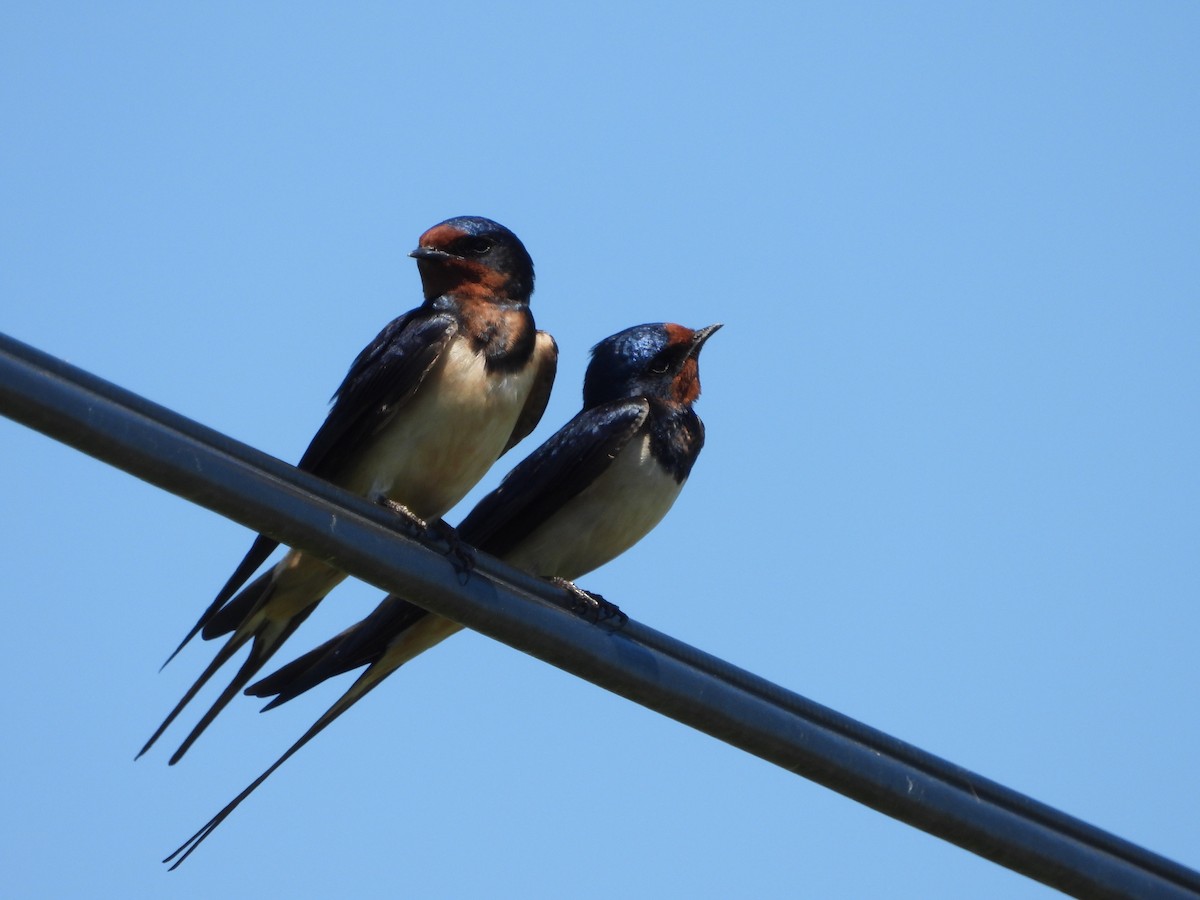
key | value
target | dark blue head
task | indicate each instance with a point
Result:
(474, 255)
(657, 361)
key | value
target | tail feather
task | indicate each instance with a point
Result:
(287, 674)
(223, 655)
(357, 646)
(258, 592)
(262, 547)
(268, 610)
(233, 614)
(365, 683)
(408, 643)
(266, 641)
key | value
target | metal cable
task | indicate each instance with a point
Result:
(635, 661)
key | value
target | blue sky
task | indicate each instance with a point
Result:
(950, 486)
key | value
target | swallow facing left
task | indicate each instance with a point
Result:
(589, 493)
(425, 410)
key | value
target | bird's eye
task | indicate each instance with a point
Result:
(659, 368)
(479, 246)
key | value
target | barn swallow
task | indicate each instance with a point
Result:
(424, 411)
(588, 494)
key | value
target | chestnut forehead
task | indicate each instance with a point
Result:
(678, 334)
(441, 236)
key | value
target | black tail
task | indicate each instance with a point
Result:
(256, 592)
(262, 547)
(231, 647)
(230, 617)
(279, 680)
(359, 645)
(261, 650)
(357, 691)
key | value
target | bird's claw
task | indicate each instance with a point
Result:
(460, 552)
(411, 525)
(588, 605)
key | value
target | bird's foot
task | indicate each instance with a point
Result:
(588, 605)
(460, 552)
(410, 523)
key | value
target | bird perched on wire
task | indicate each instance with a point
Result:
(424, 411)
(592, 491)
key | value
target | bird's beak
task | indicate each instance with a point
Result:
(702, 335)
(429, 253)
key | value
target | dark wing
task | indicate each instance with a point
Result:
(383, 377)
(357, 646)
(550, 476)
(545, 358)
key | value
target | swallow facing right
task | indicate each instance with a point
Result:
(592, 491)
(425, 410)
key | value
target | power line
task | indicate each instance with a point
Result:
(637, 662)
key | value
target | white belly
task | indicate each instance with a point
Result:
(604, 520)
(447, 436)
